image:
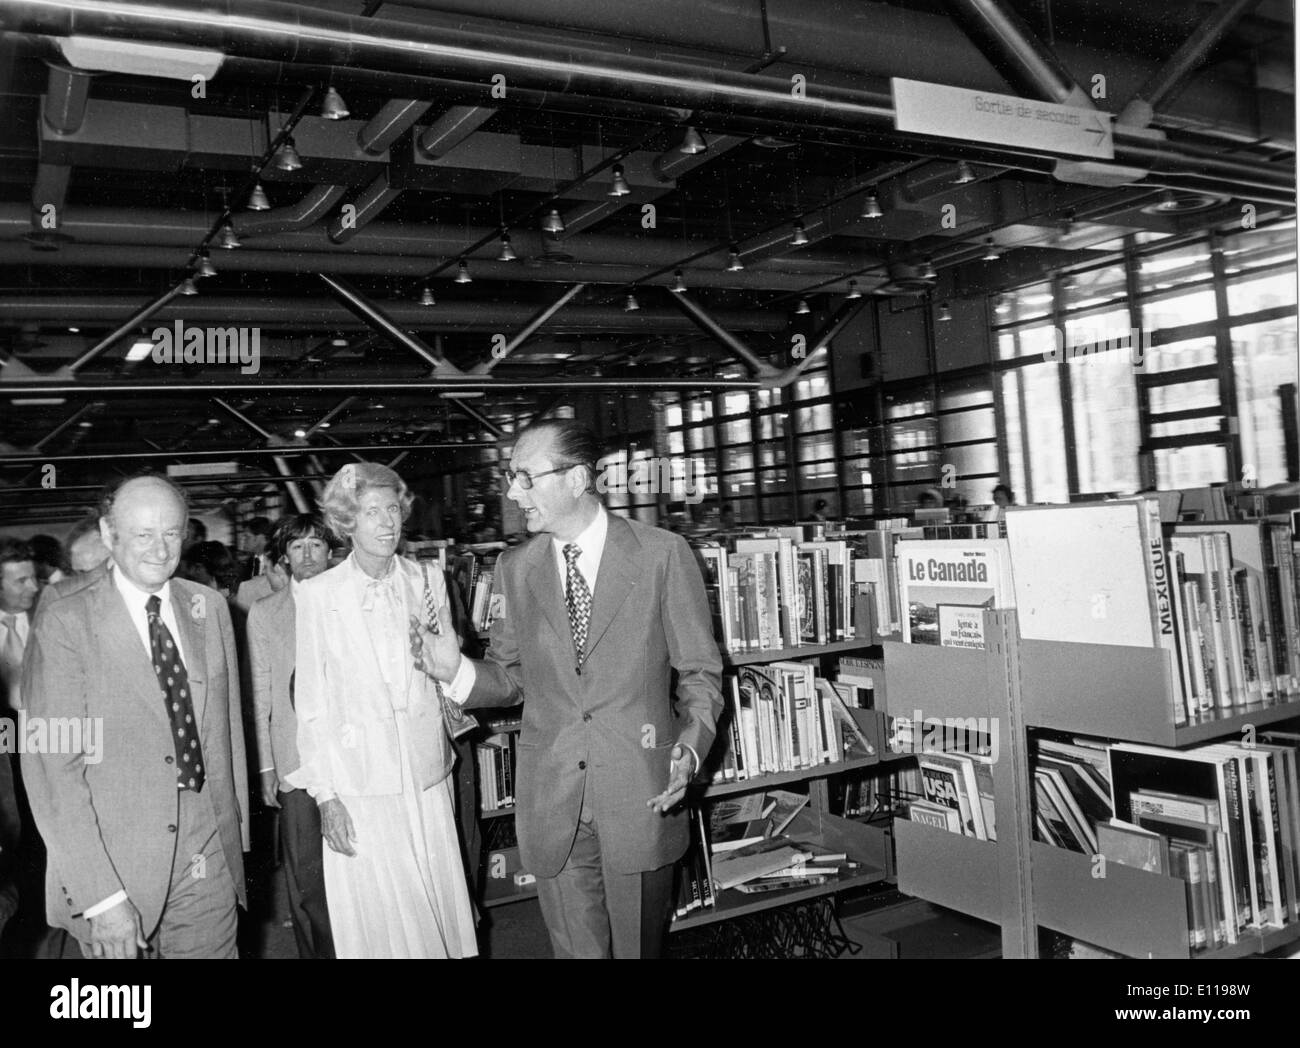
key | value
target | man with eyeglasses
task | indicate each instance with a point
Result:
(594, 616)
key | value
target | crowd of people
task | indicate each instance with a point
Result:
(322, 676)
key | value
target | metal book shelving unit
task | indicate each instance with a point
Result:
(1016, 881)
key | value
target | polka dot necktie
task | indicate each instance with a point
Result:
(578, 597)
(176, 693)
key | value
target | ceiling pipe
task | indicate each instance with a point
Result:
(1165, 82)
(708, 273)
(137, 226)
(710, 326)
(1024, 61)
(315, 204)
(66, 93)
(523, 334)
(219, 453)
(838, 321)
(266, 30)
(62, 388)
(396, 118)
(831, 35)
(372, 315)
(296, 314)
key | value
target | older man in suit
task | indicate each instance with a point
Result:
(299, 546)
(596, 613)
(145, 834)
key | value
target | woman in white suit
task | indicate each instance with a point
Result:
(375, 754)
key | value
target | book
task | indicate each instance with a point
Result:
(1134, 846)
(945, 585)
(945, 787)
(934, 815)
(1080, 573)
(740, 866)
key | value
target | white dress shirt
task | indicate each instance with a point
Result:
(136, 600)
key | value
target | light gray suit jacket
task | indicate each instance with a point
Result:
(110, 825)
(608, 730)
(271, 647)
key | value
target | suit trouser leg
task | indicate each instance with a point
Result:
(304, 874)
(593, 911)
(199, 918)
(573, 901)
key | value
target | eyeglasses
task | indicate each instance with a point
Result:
(525, 479)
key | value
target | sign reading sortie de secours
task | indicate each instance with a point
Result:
(982, 116)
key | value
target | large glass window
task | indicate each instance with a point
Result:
(1264, 361)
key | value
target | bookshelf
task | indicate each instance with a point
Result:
(1022, 883)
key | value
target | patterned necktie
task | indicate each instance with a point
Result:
(578, 597)
(176, 693)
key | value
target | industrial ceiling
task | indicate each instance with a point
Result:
(468, 211)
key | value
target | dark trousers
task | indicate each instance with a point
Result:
(304, 874)
(593, 911)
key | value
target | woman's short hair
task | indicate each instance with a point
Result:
(343, 493)
(290, 529)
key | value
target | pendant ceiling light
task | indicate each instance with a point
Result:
(286, 157)
(507, 252)
(187, 287)
(462, 273)
(206, 268)
(226, 238)
(927, 269)
(619, 187)
(333, 107)
(630, 304)
(802, 307)
(692, 142)
(257, 200)
(964, 174)
(871, 207)
(734, 261)
(426, 296)
(991, 253)
(945, 314)
(553, 223)
(854, 291)
(679, 285)
(800, 237)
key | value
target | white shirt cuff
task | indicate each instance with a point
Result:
(463, 683)
(696, 770)
(106, 905)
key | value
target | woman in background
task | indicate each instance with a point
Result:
(375, 754)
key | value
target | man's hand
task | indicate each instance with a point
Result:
(436, 653)
(680, 770)
(116, 934)
(270, 787)
(336, 827)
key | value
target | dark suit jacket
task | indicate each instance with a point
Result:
(110, 825)
(610, 729)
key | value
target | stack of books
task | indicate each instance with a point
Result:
(782, 717)
(496, 771)
(747, 844)
(776, 590)
(1219, 598)
(1224, 818)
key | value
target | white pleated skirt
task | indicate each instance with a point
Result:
(404, 893)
